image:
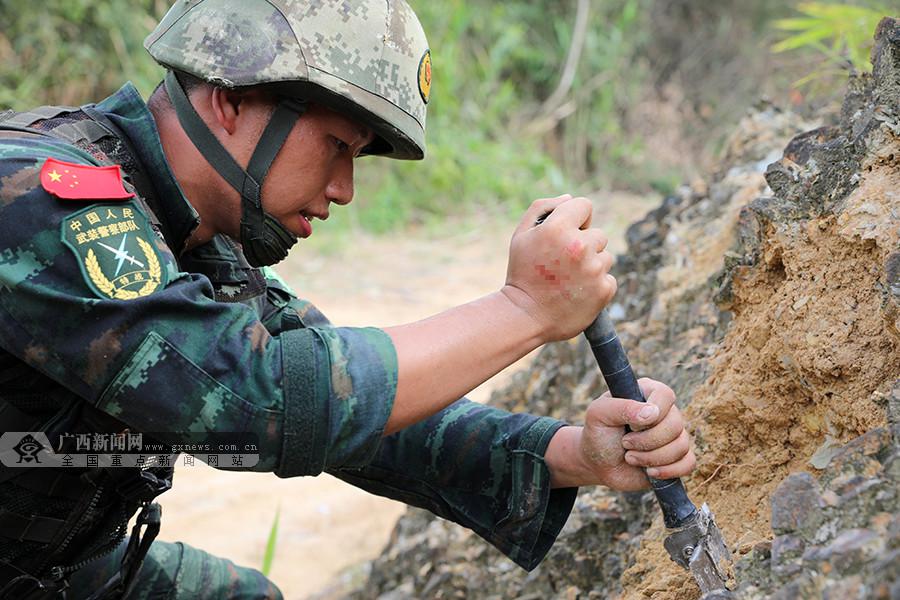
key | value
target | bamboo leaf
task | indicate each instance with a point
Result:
(846, 28)
(801, 40)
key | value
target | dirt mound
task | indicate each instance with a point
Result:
(769, 298)
(810, 356)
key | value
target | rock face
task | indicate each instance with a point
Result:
(769, 299)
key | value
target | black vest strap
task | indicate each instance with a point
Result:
(43, 481)
(247, 183)
(207, 143)
(280, 125)
(16, 583)
(28, 528)
(13, 419)
(141, 181)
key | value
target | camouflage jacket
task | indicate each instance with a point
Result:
(199, 341)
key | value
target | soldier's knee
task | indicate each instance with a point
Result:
(275, 593)
(221, 578)
(189, 572)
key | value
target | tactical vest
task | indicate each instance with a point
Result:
(54, 522)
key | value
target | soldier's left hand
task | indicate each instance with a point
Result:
(658, 439)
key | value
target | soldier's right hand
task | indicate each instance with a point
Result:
(559, 270)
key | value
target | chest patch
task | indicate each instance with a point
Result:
(114, 248)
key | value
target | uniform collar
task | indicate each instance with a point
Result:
(127, 110)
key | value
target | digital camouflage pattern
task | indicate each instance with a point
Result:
(368, 57)
(147, 360)
(478, 466)
(226, 347)
(178, 571)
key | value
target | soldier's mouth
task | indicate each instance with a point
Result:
(305, 226)
(309, 216)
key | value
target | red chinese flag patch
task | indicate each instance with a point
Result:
(83, 182)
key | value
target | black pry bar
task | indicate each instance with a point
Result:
(677, 508)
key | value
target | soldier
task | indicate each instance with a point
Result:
(135, 295)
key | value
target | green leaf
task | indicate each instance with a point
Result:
(801, 40)
(846, 28)
(269, 555)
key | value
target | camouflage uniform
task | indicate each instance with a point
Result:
(224, 347)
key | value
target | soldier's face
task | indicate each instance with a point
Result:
(314, 168)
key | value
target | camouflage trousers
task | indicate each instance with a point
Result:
(174, 571)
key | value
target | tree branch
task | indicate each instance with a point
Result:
(579, 34)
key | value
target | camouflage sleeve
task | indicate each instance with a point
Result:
(167, 358)
(285, 310)
(478, 466)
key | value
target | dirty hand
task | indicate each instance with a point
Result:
(658, 439)
(558, 271)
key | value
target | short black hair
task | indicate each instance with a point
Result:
(159, 98)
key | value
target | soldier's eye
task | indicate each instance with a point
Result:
(342, 146)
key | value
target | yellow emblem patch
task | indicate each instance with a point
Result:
(425, 76)
(113, 246)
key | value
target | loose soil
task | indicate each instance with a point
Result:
(327, 526)
(788, 374)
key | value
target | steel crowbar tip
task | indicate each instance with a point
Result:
(699, 547)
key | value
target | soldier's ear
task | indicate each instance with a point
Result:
(226, 106)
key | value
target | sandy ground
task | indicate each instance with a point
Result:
(326, 525)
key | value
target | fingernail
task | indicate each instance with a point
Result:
(627, 445)
(653, 472)
(648, 412)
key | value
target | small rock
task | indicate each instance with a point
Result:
(803, 587)
(795, 503)
(848, 551)
(785, 548)
(830, 498)
(823, 455)
(894, 593)
(762, 550)
(406, 590)
(881, 522)
(868, 444)
(887, 568)
(851, 588)
(894, 405)
(893, 533)
(850, 486)
(892, 467)
(786, 571)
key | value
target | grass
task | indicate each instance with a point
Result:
(271, 543)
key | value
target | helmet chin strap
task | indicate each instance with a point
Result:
(264, 239)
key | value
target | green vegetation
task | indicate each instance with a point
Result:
(74, 51)
(271, 542)
(842, 33)
(493, 115)
(530, 98)
(494, 142)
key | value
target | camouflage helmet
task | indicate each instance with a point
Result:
(365, 58)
